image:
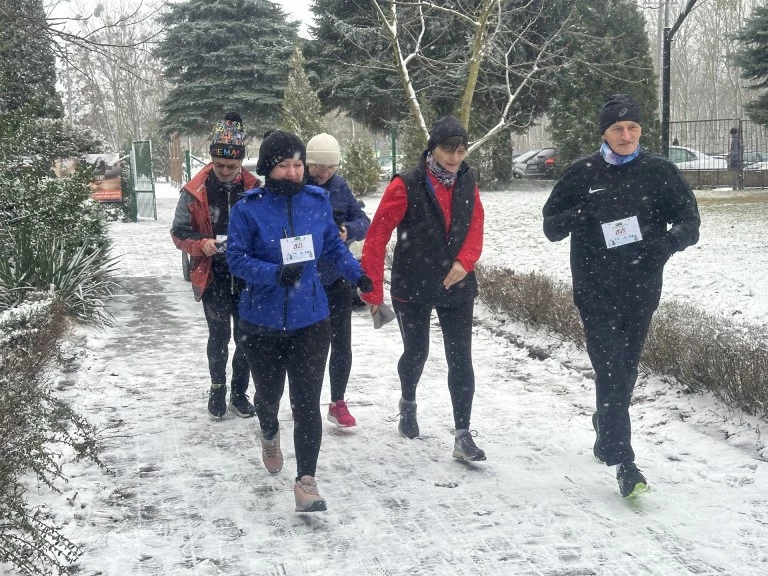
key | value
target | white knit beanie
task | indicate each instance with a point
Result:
(323, 149)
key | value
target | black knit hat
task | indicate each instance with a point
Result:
(229, 138)
(445, 128)
(276, 147)
(619, 108)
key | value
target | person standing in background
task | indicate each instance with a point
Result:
(617, 205)
(323, 157)
(200, 229)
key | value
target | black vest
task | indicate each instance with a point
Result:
(424, 253)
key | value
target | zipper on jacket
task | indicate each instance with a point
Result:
(285, 235)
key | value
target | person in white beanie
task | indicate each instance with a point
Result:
(323, 157)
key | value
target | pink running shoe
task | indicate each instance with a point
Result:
(338, 413)
(307, 497)
(271, 454)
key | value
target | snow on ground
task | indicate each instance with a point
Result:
(186, 495)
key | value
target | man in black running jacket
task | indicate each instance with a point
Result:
(627, 211)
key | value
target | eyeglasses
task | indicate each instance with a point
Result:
(319, 168)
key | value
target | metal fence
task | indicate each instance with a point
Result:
(704, 151)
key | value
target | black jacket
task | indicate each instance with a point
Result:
(424, 254)
(592, 192)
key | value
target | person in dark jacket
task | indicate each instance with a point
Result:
(276, 236)
(618, 205)
(437, 211)
(323, 156)
(200, 229)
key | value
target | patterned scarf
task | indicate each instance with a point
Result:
(617, 159)
(446, 178)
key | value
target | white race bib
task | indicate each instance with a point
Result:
(620, 232)
(297, 249)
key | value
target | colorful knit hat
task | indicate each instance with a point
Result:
(229, 138)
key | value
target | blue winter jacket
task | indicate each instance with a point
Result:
(346, 211)
(256, 225)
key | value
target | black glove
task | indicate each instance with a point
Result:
(581, 215)
(365, 284)
(290, 274)
(655, 253)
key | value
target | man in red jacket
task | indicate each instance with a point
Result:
(437, 211)
(200, 229)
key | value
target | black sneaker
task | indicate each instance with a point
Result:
(464, 447)
(408, 425)
(595, 449)
(217, 401)
(240, 405)
(631, 481)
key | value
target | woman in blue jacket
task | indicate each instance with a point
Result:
(323, 156)
(276, 235)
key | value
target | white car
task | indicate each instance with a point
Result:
(690, 159)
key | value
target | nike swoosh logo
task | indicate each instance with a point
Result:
(593, 190)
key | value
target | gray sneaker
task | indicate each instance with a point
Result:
(464, 447)
(408, 425)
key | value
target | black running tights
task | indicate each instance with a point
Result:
(221, 314)
(301, 355)
(340, 295)
(456, 326)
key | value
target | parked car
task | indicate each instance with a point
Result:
(519, 161)
(690, 159)
(748, 157)
(540, 164)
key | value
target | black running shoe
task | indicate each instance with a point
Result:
(595, 449)
(240, 405)
(217, 401)
(408, 425)
(631, 481)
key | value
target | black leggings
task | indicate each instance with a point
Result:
(340, 295)
(614, 345)
(221, 314)
(456, 326)
(301, 355)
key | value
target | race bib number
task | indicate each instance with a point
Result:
(297, 249)
(620, 232)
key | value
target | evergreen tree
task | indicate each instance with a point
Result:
(301, 113)
(222, 55)
(752, 57)
(351, 64)
(27, 61)
(360, 168)
(610, 54)
(354, 66)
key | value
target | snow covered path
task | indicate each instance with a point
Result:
(190, 496)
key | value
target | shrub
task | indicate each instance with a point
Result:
(80, 279)
(533, 299)
(361, 169)
(701, 351)
(33, 427)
